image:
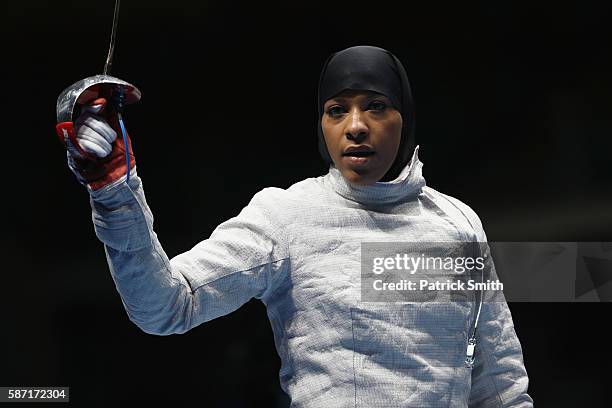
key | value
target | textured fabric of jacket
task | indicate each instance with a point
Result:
(298, 251)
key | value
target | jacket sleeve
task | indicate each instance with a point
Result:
(163, 296)
(499, 378)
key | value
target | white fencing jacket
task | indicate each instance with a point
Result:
(298, 251)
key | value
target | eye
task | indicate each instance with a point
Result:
(335, 110)
(377, 106)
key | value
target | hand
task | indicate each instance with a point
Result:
(99, 158)
(93, 133)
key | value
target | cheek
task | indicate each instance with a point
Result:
(396, 131)
(329, 135)
(392, 132)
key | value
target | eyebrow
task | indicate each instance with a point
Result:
(369, 95)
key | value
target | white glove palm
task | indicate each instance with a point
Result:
(93, 133)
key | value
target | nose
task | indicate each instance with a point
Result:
(357, 130)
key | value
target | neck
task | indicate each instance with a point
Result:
(396, 168)
(407, 184)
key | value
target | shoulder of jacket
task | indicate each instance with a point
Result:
(279, 198)
(268, 196)
(465, 209)
(293, 199)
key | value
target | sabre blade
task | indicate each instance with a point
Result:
(111, 47)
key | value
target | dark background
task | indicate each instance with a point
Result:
(513, 118)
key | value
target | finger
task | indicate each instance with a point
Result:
(85, 116)
(100, 126)
(104, 149)
(93, 137)
(95, 106)
(86, 133)
(92, 148)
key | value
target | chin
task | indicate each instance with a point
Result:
(359, 179)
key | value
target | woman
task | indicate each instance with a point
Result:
(298, 250)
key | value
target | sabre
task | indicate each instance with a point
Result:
(117, 92)
(111, 46)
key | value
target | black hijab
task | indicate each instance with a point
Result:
(368, 68)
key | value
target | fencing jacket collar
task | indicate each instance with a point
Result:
(408, 183)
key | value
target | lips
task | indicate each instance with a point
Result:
(359, 151)
(358, 156)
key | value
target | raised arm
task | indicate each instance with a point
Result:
(239, 261)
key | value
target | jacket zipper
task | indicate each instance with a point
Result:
(471, 344)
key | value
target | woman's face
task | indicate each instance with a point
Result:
(362, 131)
